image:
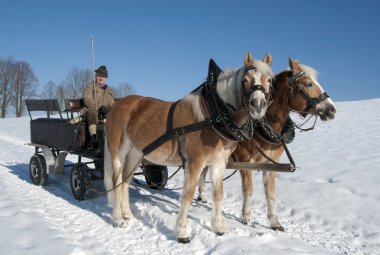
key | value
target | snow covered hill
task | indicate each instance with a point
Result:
(331, 205)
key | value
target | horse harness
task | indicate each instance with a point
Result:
(220, 119)
(311, 101)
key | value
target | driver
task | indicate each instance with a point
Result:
(97, 103)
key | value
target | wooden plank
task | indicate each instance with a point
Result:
(261, 166)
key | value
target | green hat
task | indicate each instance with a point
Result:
(102, 70)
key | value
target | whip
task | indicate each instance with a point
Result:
(93, 73)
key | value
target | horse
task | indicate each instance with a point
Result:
(135, 121)
(296, 90)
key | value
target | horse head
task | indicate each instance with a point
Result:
(306, 95)
(256, 84)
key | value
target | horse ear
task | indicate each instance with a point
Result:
(268, 59)
(294, 65)
(248, 59)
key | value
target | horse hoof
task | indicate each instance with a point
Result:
(219, 233)
(120, 224)
(279, 228)
(184, 240)
(203, 201)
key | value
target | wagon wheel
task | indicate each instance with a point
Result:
(155, 176)
(37, 170)
(80, 182)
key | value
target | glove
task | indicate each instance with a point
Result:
(103, 110)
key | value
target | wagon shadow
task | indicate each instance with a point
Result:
(20, 170)
(59, 186)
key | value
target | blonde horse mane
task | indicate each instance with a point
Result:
(194, 100)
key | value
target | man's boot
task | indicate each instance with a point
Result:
(93, 142)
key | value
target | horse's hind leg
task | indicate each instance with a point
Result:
(131, 163)
(247, 188)
(269, 179)
(202, 186)
(118, 160)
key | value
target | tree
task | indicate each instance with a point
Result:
(123, 90)
(75, 82)
(61, 94)
(23, 86)
(7, 73)
(50, 90)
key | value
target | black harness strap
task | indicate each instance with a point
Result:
(173, 132)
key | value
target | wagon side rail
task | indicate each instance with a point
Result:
(47, 105)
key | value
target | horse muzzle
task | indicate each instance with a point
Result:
(327, 112)
(257, 105)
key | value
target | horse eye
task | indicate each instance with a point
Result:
(309, 84)
(245, 80)
(270, 81)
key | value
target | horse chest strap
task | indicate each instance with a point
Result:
(175, 132)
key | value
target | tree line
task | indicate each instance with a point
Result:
(19, 82)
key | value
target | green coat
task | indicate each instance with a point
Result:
(104, 97)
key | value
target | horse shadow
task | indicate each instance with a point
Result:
(163, 200)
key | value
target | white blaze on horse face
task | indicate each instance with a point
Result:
(257, 100)
(326, 108)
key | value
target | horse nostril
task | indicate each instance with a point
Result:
(263, 104)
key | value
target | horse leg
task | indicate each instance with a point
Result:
(131, 163)
(247, 188)
(192, 174)
(217, 172)
(202, 186)
(269, 179)
(118, 159)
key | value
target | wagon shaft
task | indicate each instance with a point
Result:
(261, 166)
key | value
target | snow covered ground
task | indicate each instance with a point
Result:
(331, 205)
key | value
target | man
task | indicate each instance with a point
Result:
(97, 102)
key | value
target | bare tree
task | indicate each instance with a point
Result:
(7, 73)
(61, 94)
(23, 86)
(50, 90)
(123, 90)
(75, 82)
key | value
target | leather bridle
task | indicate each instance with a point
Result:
(294, 87)
(247, 94)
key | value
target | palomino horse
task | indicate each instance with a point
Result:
(135, 122)
(295, 90)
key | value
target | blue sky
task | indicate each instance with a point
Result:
(162, 48)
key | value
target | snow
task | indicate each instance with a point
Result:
(330, 205)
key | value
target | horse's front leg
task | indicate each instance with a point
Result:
(202, 186)
(269, 180)
(192, 174)
(247, 188)
(217, 173)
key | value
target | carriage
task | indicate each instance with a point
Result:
(56, 136)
